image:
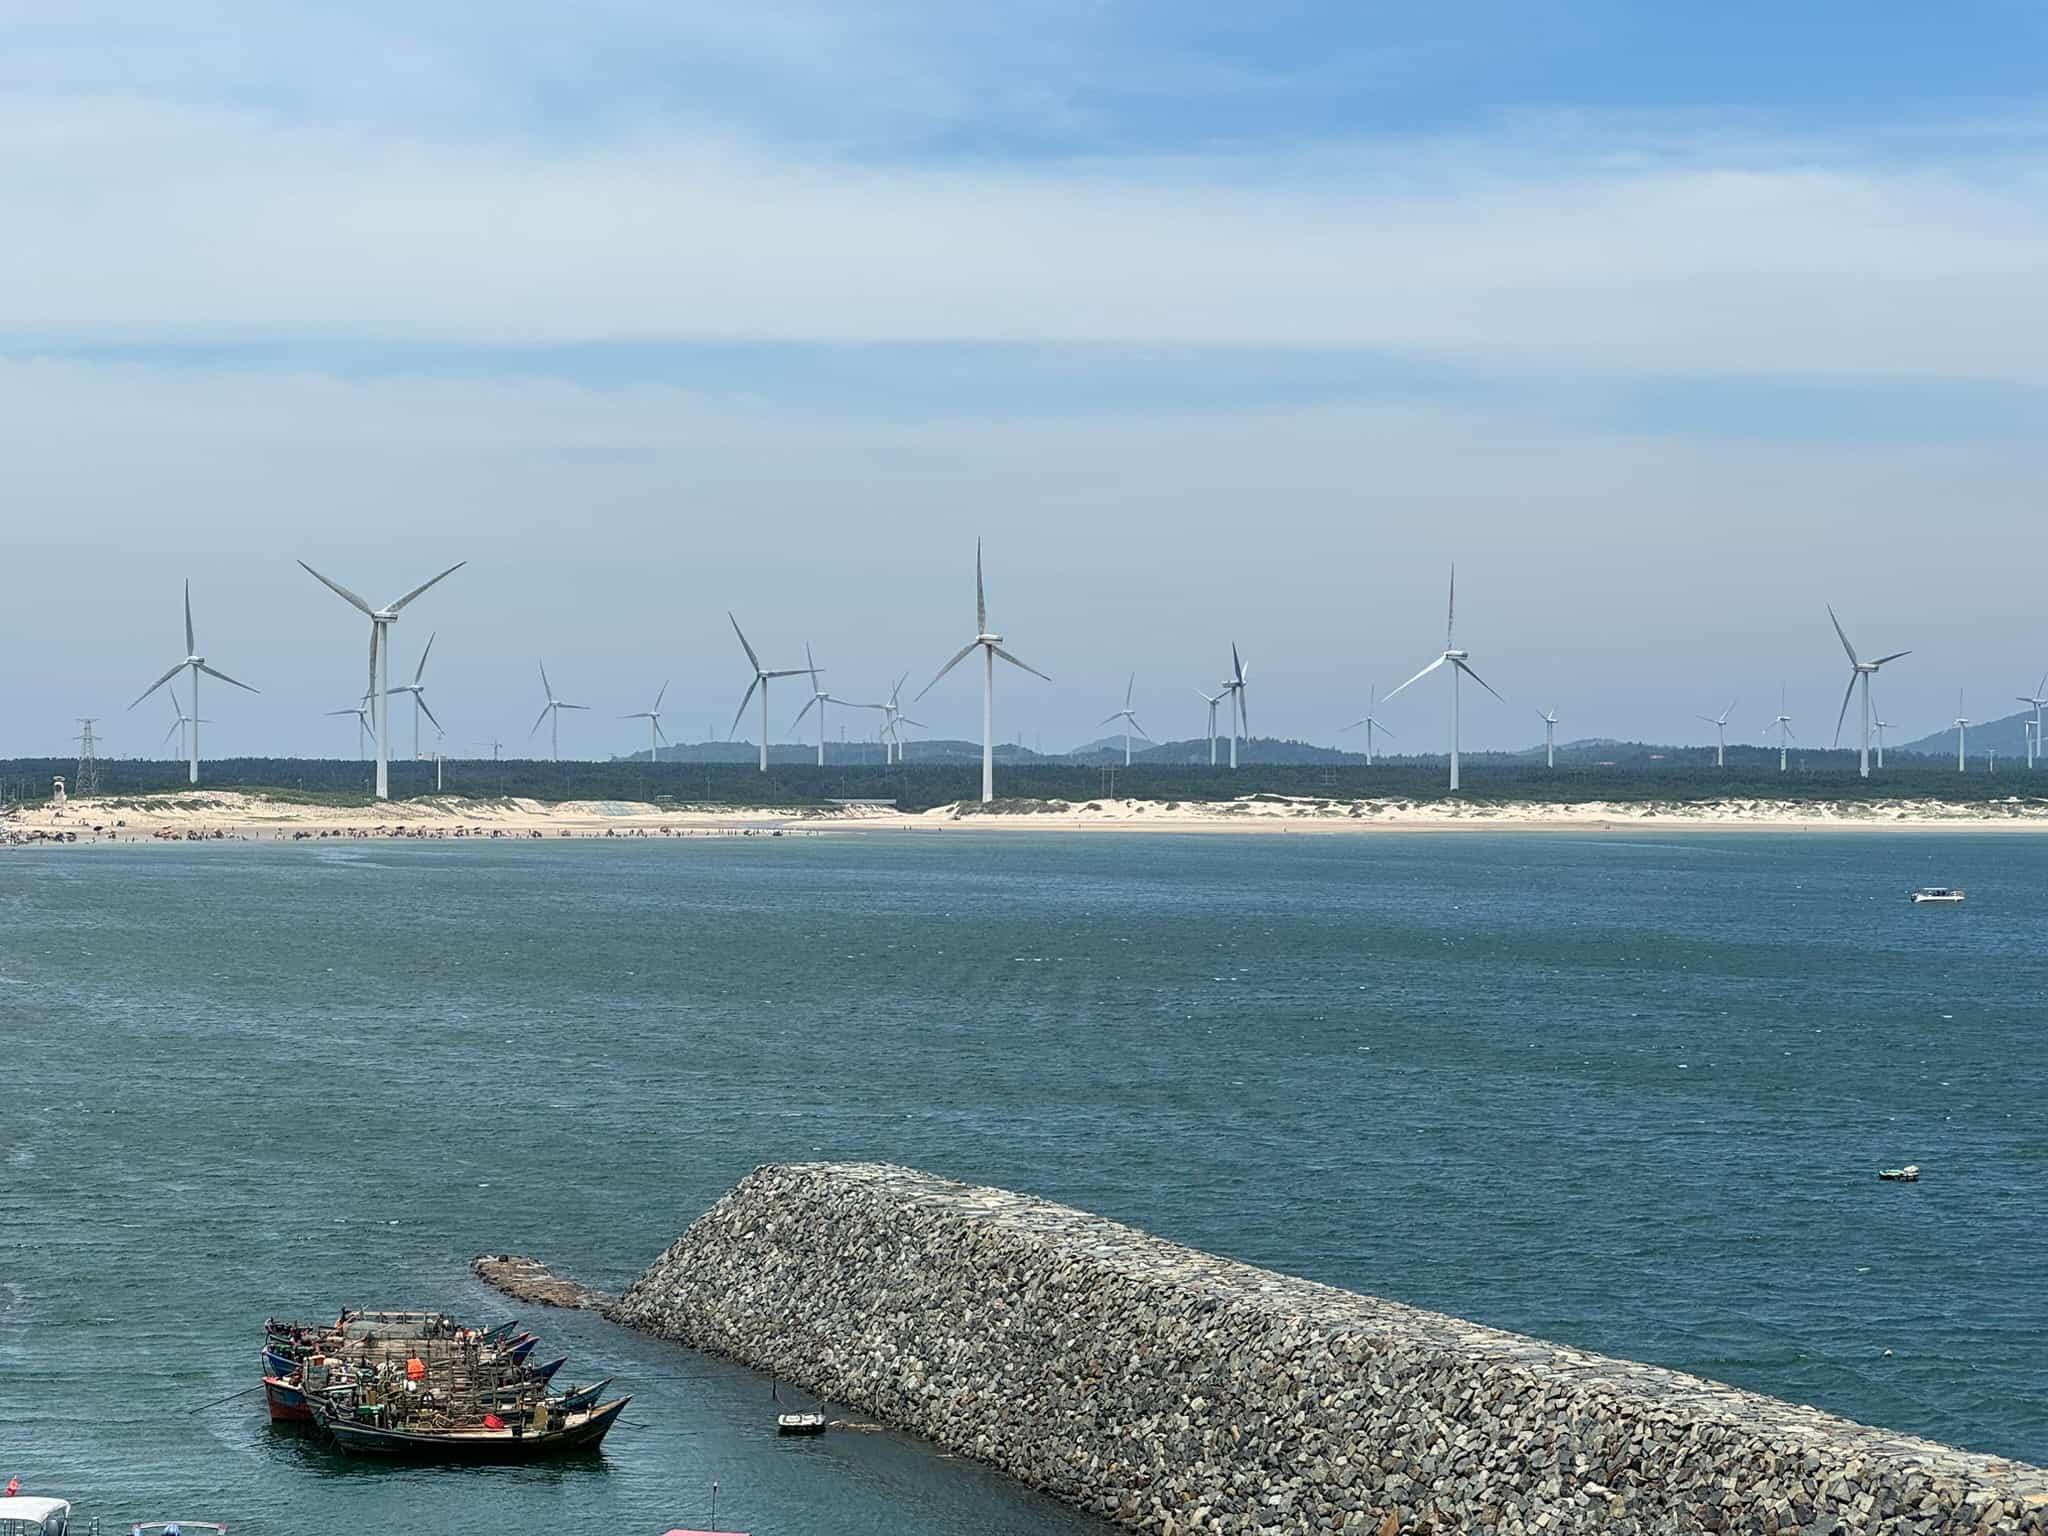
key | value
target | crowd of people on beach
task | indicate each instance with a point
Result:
(117, 832)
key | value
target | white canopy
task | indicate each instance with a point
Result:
(33, 1511)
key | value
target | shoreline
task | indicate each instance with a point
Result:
(234, 816)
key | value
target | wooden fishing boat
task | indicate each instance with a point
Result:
(359, 1432)
(576, 1399)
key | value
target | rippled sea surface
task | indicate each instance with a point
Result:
(1628, 1092)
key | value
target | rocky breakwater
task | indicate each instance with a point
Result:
(1174, 1391)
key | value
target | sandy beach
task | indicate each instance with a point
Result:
(206, 815)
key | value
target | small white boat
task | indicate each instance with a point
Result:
(21, 1515)
(800, 1424)
(1910, 1174)
(1936, 893)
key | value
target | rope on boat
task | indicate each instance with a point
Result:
(228, 1399)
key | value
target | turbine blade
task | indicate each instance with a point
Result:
(1015, 662)
(211, 672)
(572, 706)
(1354, 725)
(179, 725)
(752, 660)
(1418, 677)
(959, 656)
(1895, 655)
(191, 645)
(416, 591)
(661, 695)
(1846, 697)
(659, 733)
(1138, 728)
(421, 670)
(421, 701)
(537, 724)
(980, 594)
(335, 587)
(1236, 666)
(906, 720)
(1127, 689)
(1451, 613)
(1377, 725)
(1845, 639)
(1106, 719)
(745, 699)
(1482, 682)
(808, 704)
(152, 688)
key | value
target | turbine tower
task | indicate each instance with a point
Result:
(551, 713)
(1129, 719)
(1549, 720)
(1212, 700)
(362, 713)
(381, 620)
(1460, 664)
(1860, 672)
(2037, 701)
(1962, 725)
(991, 646)
(1720, 724)
(1784, 725)
(1233, 685)
(1880, 726)
(197, 664)
(761, 679)
(1371, 721)
(653, 719)
(418, 689)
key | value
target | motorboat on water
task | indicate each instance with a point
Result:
(178, 1528)
(1942, 893)
(1910, 1174)
(35, 1515)
(799, 1423)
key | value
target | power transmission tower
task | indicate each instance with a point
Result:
(88, 780)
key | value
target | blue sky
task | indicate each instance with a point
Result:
(1668, 323)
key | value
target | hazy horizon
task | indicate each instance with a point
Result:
(1668, 329)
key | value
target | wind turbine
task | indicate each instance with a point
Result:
(1549, 737)
(1212, 700)
(819, 699)
(653, 719)
(1129, 719)
(418, 689)
(760, 681)
(1233, 685)
(178, 726)
(197, 663)
(552, 712)
(1371, 722)
(1460, 663)
(991, 646)
(1720, 724)
(1962, 725)
(1880, 726)
(1860, 671)
(893, 719)
(2034, 741)
(362, 714)
(1784, 725)
(381, 620)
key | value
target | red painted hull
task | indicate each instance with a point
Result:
(286, 1402)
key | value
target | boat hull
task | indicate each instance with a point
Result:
(369, 1440)
(287, 1403)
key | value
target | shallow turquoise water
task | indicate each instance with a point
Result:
(1624, 1092)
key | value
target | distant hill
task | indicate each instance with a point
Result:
(2005, 736)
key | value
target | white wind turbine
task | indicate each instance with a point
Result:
(1880, 726)
(381, 620)
(1720, 724)
(1549, 720)
(819, 700)
(991, 646)
(362, 713)
(893, 720)
(1212, 700)
(1460, 663)
(1962, 725)
(197, 664)
(1233, 686)
(418, 689)
(1129, 719)
(653, 719)
(1370, 721)
(1784, 725)
(551, 715)
(1860, 672)
(2037, 701)
(178, 725)
(761, 679)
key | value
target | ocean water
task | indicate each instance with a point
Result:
(1625, 1091)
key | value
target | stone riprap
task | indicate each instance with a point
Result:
(1171, 1390)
